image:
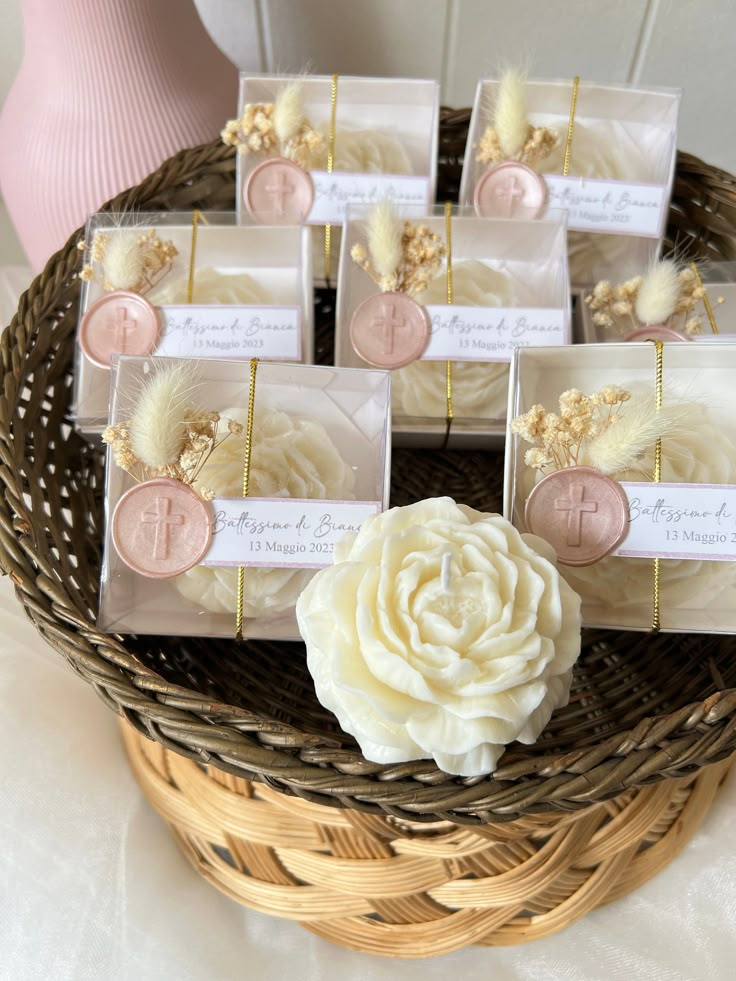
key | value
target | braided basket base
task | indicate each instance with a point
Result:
(384, 885)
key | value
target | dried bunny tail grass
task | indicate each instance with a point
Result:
(659, 293)
(288, 112)
(159, 423)
(124, 262)
(623, 446)
(384, 232)
(510, 115)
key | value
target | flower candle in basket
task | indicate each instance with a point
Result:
(606, 153)
(440, 632)
(623, 457)
(477, 288)
(669, 302)
(188, 285)
(309, 145)
(227, 485)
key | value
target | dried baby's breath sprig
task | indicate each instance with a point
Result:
(609, 303)
(538, 458)
(660, 297)
(594, 430)
(558, 439)
(537, 146)
(691, 293)
(279, 126)
(167, 436)
(128, 259)
(253, 132)
(399, 255)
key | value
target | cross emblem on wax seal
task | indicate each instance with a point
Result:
(161, 528)
(119, 323)
(390, 330)
(278, 192)
(581, 512)
(510, 190)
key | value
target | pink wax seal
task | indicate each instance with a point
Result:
(390, 330)
(118, 323)
(655, 332)
(278, 192)
(161, 528)
(581, 512)
(510, 190)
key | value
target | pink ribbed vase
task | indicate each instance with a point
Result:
(107, 90)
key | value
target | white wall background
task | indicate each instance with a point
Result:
(687, 43)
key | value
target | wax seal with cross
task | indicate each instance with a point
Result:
(655, 332)
(510, 190)
(278, 192)
(161, 528)
(119, 323)
(390, 330)
(581, 512)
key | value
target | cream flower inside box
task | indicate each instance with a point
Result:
(594, 407)
(227, 485)
(187, 285)
(309, 145)
(508, 286)
(620, 163)
(669, 299)
(440, 632)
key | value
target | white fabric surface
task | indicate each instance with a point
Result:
(93, 888)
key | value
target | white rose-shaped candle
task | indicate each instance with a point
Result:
(440, 632)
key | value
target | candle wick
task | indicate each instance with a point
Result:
(446, 571)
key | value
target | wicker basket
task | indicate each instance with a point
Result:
(643, 708)
(382, 885)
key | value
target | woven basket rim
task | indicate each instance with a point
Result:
(291, 759)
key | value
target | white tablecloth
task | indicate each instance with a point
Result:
(93, 888)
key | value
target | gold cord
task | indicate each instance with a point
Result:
(571, 126)
(657, 478)
(706, 300)
(192, 255)
(246, 487)
(330, 164)
(448, 367)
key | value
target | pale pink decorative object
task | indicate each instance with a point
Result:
(107, 90)
(119, 323)
(278, 192)
(161, 528)
(581, 512)
(656, 332)
(390, 330)
(510, 190)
